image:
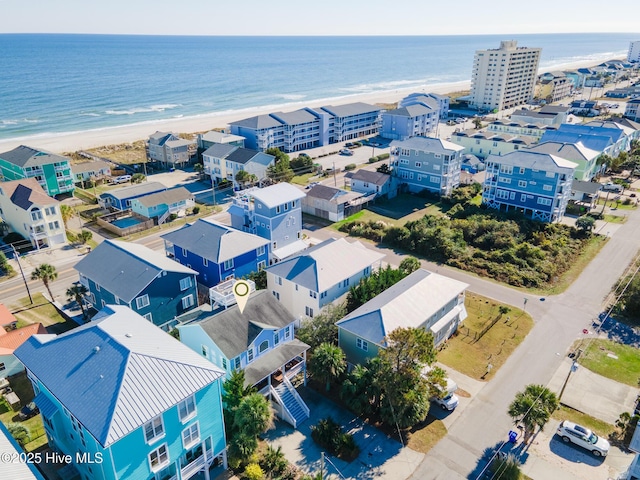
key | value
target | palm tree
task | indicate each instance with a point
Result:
(273, 460)
(243, 177)
(20, 433)
(254, 415)
(76, 292)
(47, 273)
(533, 408)
(67, 212)
(327, 363)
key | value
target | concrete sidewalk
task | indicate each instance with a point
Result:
(380, 456)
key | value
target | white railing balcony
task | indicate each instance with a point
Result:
(222, 294)
(292, 372)
(61, 168)
(192, 468)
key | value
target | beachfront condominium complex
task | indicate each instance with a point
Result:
(53, 172)
(634, 51)
(308, 128)
(504, 77)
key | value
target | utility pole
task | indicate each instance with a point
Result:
(15, 253)
(335, 181)
(321, 465)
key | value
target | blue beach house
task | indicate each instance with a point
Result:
(121, 198)
(162, 204)
(259, 341)
(126, 400)
(274, 213)
(537, 184)
(216, 252)
(154, 286)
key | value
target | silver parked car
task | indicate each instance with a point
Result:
(583, 437)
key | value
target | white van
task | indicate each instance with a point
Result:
(121, 179)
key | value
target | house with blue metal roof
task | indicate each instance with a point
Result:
(259, 340)
(306, 283)
(126, 400)
(274, 213)
(618, 137)
(216, 252)
(121, 198)
(534, 183)
(421, 300)
(154, 286)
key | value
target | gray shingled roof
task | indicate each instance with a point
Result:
(89, 166)
(427, 144)
(24, 156)
(233, 331)
(214, 241)
(296, 117)
(349, 109)
(258, 122)
(219, 150)
(324, 192)
(167, 197)
(590, 188)
(125, 269)
(271, 361)
(410, 111)
(117, 372)
(368, 176)
(242, 155)
(134, 190)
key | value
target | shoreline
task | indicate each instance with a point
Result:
(86, 139)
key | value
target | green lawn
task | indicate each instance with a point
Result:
(22, 387)
(619, 206)
(614, 218)
(423, 437)
(600, 427)
(624, 369)
(40, 311)
(302, 179)
(464, 353)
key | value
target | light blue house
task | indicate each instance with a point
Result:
(427, 163)
(259, 341)
(121, 198)
(410, 121)
(442, 102)
(421, 300)
(126, 400)
(618, 138)
(274, 213)
(162, 204)
(585, 158)
(217, 252)
(537, 184)
(154, 286)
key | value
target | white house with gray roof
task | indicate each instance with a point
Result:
(428, 163)
(126, 400)
(421, 300)
(223, 161)
(85, 171)
(305, 284)
(333, 204)
(371, 182)
(260, 341)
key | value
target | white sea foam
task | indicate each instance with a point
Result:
(152, 108)
(291, 96)
(89, 114)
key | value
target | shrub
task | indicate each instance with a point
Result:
(253, 472)
(328, 434)
(373, 159)
(196, 210)
(351, 166)
(383, 156)
(172, 217)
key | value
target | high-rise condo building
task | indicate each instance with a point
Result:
(634, 51)
(504, 77)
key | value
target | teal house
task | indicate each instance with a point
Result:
(53, 172)
(125, 400)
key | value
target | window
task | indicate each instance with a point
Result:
(418, 164)
(54, 225)
(436, 167)
(261, 250)
(148, 316)
(276, 339)
(237, 363)
(50, 210)
(362, 344)
(345, 283)
(276, 294)
(141, 302)
(185, 283)
(36, 215)
(205, 350)
(547, 188)
(308, 311)
(502, 194)
(522, 184)
(97, 287)
(279, 280)
(550, 174)
(187, 301)
(544, 201)
(313, 294)
(522, 170)
(187, 409)
(159, 458)
(205, 262)
(250, 355)
(287, 331)
(512, 196)
(286, 206)
(278, 209)
(2, 367)
(263, 346)
(154, 429)
(184, 252)
(191, 435)
(523, 197)
(434, 179)
(224, 363)
(228, 264)
(508, 169)
(506, 180)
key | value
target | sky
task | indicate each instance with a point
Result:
(317, 17)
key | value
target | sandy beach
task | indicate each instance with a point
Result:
(69, 142)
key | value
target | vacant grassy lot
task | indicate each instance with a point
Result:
(22, 387)
(423, 437)
(128, 153)
(467, 353)
(601, 428)
(40, 311)
(599, 356)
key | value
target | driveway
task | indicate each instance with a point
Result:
(381, 457)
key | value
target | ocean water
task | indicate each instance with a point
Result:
(67, 83)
